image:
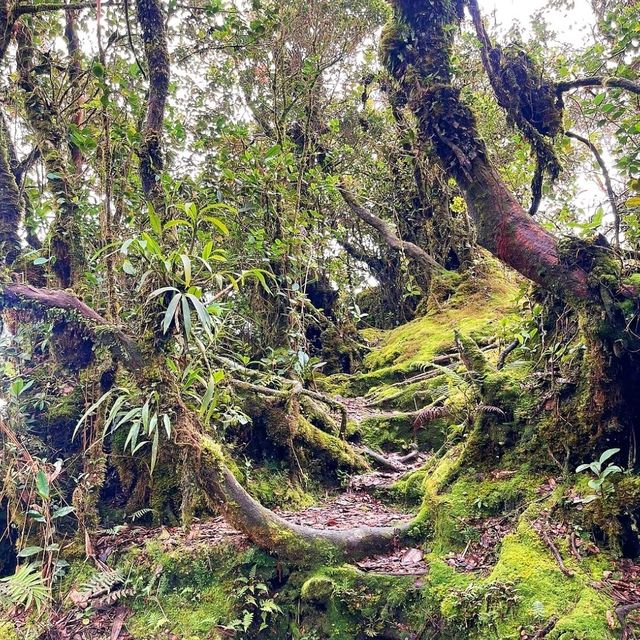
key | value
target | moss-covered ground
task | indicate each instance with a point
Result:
(477, 472)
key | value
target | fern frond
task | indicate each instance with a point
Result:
(489, 408)
(141, 513)
(25, 588)
(429, 414)
(101, 582)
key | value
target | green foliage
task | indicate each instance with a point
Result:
(26, 588)
(257, 608)
(599, 483)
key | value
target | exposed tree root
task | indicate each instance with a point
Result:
(286, 426)
(292, 388)
(296, 543)
(512, 346)
(384, 461)
(556, 554)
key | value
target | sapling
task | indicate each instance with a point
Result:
(599, 482)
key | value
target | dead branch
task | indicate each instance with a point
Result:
(384, 461)
(384, 229)
(546, 630)
(512, 346)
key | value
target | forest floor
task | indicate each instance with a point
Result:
(502, 558)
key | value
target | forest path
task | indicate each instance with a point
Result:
(355, 507)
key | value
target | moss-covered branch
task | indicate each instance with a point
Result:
(10, 201)
(40, 301)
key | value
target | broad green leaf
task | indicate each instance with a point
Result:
(154, 449)
(218, 223)
(27, 552)
(607, 454)
(62, 511)
(186, 316)
(42, 485)
(128, 268)
(186, 263)
(203, 314)
(154, 219)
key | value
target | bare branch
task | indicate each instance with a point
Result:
(387, 233)
(607, 180)
(31, 9)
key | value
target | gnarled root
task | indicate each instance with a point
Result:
(296, 543)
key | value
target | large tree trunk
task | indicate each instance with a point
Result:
(417, 49)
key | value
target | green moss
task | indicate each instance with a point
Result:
(477, 309)
(318, 589)
(345, 603)
(8, 631)
(545, 591)
(194, 589)
(393, 432)
(189, 613)
(273, 487)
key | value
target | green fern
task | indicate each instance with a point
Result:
(25, 588)
(101, 582)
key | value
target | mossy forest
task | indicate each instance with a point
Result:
(319, 320)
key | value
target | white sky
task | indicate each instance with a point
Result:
(570, 25)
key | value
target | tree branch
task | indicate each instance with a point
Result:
(422, 37)
(598, 81)
(384, 229)
(607, 181)
(16, 295)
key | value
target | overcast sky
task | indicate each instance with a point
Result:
(569, 25)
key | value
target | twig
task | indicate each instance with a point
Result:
(546, 629)
(556, 554)
(607, 180)
(574, 547)
(622, 613)
(503, 356)
(383, 460)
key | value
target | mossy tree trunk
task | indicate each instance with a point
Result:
(416, 49)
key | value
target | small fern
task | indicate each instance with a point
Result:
(429, 414)
(25, 588)
(489, 408)
(101, 583)
(141, 513)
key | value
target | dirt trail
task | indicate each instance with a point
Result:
(353, 508)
